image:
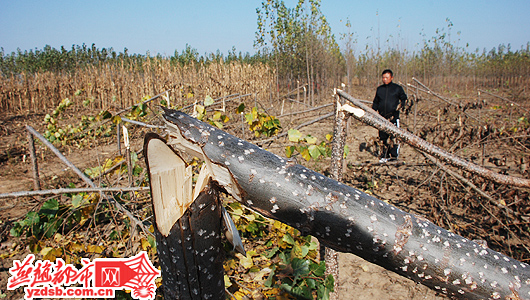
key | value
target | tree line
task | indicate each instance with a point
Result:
(299, 44)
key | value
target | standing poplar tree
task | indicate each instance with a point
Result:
(300, 42)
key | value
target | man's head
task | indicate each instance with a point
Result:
(387, 76)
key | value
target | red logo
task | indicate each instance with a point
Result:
(136, 273)
(44, 278)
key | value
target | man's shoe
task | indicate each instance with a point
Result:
(383, 160)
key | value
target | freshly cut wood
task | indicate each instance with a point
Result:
(348, 220)
(188, 229)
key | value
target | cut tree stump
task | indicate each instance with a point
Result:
(187, 225)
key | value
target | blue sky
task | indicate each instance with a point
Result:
(208, 26)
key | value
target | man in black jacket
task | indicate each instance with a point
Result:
(389, 97)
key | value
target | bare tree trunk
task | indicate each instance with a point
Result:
(337, 160)
(348, 220)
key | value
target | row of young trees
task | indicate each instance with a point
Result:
(50, 59)
(299, 44)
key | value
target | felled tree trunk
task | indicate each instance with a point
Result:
(187, 226)
(347, 219)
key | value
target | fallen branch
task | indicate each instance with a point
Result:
(462, 179)
(141, 123)
(504, 99)
(346, 219)
(307, 110)
(70, 191)
(60, 155)
(429, 91)
(86, 179)
(372, 118)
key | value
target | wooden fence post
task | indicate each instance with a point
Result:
(34, 164)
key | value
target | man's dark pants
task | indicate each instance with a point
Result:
(389, 149)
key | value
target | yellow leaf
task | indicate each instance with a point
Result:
(95, 249)
(277, 224)
(217, 116)
(230, 265)
(239, 295)
(58, 237)
(76, 247)
(305, 154)
(8, 254)
(45, 251)
(245, 261)
(145, 244)
(50, 254)
(228, 283)
(502, 202)
(250, 218)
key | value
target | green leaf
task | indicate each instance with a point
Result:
(269, 254)
(288, 239)
(252, 227)
(346, 150)
(300, 267)
(310, 139)
(311, 283)
(305, 250)
(286, 287)
(314, 151)
(240, 108)
(32, 218)
(289, 151)
(270, 279)
(50, 207)
(330, 282)
(294, 135)
(50, 228)
(16, 230)
(77, 200)
(208, 101)
(318, 269)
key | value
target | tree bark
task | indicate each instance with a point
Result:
(372, 118)
(337, 161)
(187, 229)
(348, 220)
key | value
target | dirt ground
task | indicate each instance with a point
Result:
(358, 279)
